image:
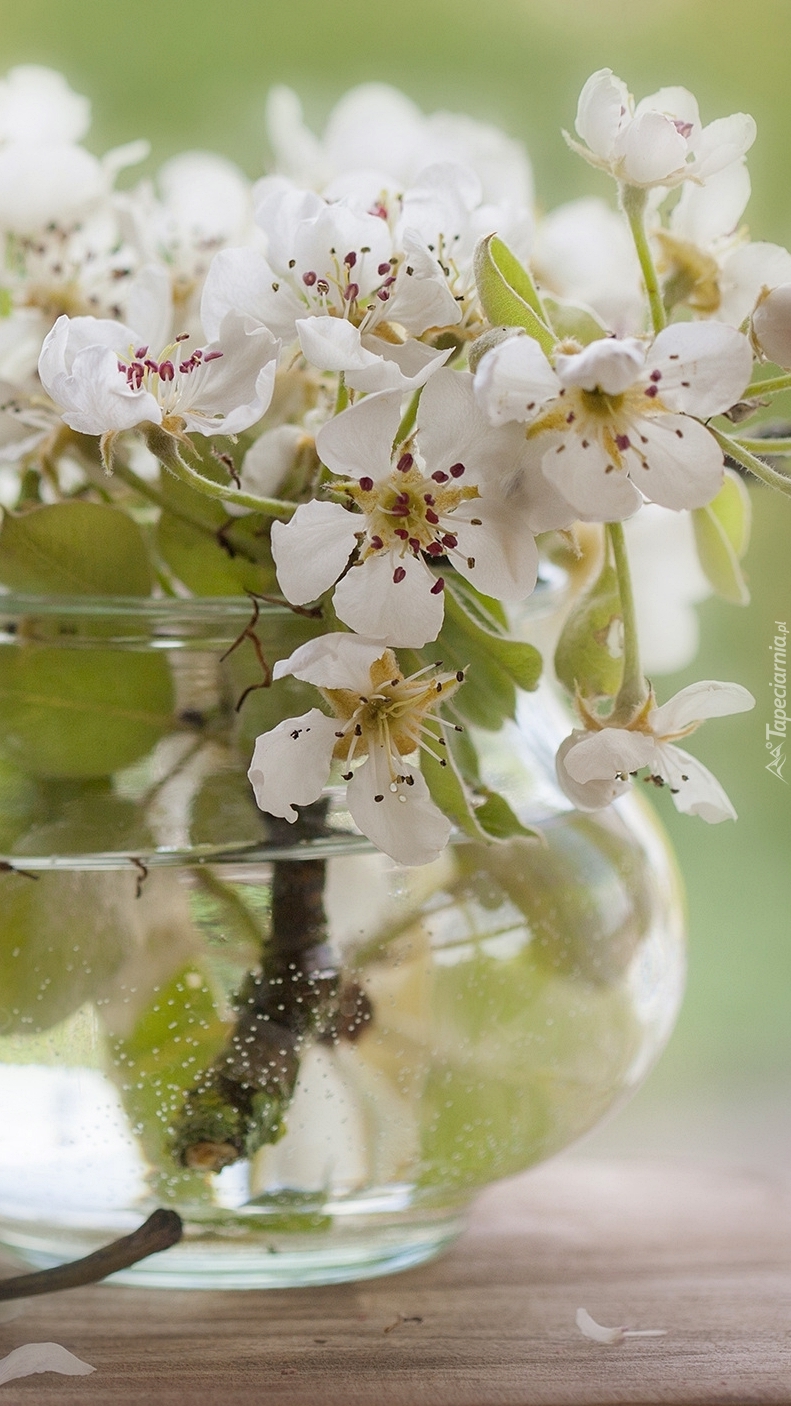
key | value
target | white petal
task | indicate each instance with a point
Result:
(358, 443)
(610, 365)
(707, 213)
(207, 197)
(703, 367)
(336, 660)
(291, 764)
(772, 325)
(514, 380)
(404, 365)
(52, 184)
(312, 549)
(406, 824)
(722, 142)
(581, 476)
(149, 306)
(228, 394)
(42, 1357)
(707, 699)
(745, 274)
(451, 428)
(501, 547)
(270, 458)
(37, 105)
(422, 298)
(241, 281)
(650, 150)
(297, 152)
(596, 1331)
(676, 103)
(601, 111)
(332, 344)
(695, 790)
(592, 781)
(96, 398)
(679, 464)
(403, 613)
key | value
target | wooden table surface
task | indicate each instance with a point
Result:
(704, 1253)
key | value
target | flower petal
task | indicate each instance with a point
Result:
(703, 367)
(745, 274)
(707, 699)
(587, 767)
(312, 549)
(650, 150)
(610, 365)
(514, 380)
(494, 535)
(358, 443)
(723, 141)
(583, 473)
(695, 790)
(404, 823)
(679, 464)
(336, 660)
(291, 764)
(42, 1357)
(405, 613)
(603, 105)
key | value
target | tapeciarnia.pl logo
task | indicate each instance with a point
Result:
(778, 728)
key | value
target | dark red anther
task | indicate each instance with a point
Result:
(438, 587)
(377, 543)
(439, 477)
(322, 287)
(651, 391)
(414, 544)
(456, 470)
(383, 269)
(623, 442)
(399, 575)
(383, 295)
(402, 533)
(656, 375)
(431, 517)
(351, 259)
(152, 365)
(141, 352)
(428, 499)
(449, 540)
(183, 337)
(309, 278)
(404, 465)
(366, 484)
(351, 291)
(210, 356)
(166, 370)
(435, 549)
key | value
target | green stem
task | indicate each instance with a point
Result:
(633, 201)
(410, 416)
(269, 507)
(770, 386)
(342, 398)
(764, 446)
(632, 693)
(757, 467)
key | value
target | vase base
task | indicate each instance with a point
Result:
(213, 1261)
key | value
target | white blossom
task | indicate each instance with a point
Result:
(378, 723)
(585, 253)
(106, 377)
(440, 495)
(771, 325)
(613, 423)
(596, 765)
(658, 142)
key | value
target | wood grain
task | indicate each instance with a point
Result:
(705, 1254)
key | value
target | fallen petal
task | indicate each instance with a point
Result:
(610, 1336)
(42, 1357)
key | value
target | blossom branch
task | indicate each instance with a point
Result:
(633, 201)
(757, 467)
(632, 694)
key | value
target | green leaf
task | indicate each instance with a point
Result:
(497, 664)
(74, 549)
(722, 533)
(507, 293)
(81, 713)
(210, 552)
(497, 819)
(589, 653)
(492, 820)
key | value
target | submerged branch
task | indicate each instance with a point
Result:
(159, 1232)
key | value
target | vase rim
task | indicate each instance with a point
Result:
(549, 591)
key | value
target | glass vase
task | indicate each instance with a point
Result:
(316, 1056)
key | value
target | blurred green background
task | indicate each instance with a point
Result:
(195, 74)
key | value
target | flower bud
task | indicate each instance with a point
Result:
(771, 325)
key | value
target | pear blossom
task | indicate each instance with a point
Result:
(378, 723)
(771, 324)
(584, 253)
(614, 423)
(595, 766)
(333, 280)
(658, 142)
(105, 377)
(437, 496)
(377, 129)
(707, 261)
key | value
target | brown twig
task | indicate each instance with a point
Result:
(248, 633)
(159, 1232)
(142, 875)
